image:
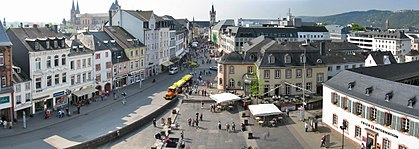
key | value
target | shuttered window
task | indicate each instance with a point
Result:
(363, 111)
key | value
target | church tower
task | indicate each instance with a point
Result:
(73, 14)
(212, 16)
(115, 7)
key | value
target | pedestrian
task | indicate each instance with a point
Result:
(228, 127)
(5, 124)
(189, 121)
(306, 126)
(202, 104)
(233, 127)
(67, 111)
(200, 117)
(323, 140)
(154, 122)
(162, 121)
(181, 135)
(362, 146)
(196, 114)
(114, 95)
(287, 111)
(219, 125)
(193, 123)
(78, 109)
(10, 124)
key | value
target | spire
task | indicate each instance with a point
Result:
(116, 2)
(77, 9)
(212, 9)
(72, 7)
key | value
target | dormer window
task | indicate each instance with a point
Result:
(302, 58)
(389, 96)
(36, 45)
(55, 44)
(62, 44)
(351, 85)
(368, 91)
(319, 61)
(271, 59)
(48, 45)
(287, 58)
(252, 57)
(411, 102)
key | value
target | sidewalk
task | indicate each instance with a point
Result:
(38, 122)
(312, 139)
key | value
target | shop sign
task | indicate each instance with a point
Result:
(5, 99)
(57, 94)
(379, 129)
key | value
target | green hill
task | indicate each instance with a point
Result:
(375, 18)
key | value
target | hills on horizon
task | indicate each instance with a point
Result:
(375, 18)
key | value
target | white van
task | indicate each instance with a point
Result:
(173, 70)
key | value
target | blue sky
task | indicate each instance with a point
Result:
(56, 10)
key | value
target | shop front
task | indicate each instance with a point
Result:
(120, 81)
(5, 107)
(83, 95)
(60, 100)
(22, 108)
(135, 76)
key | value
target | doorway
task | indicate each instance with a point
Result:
(371, 140)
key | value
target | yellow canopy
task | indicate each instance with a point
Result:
(187, 77)
(172, 87)
(179, 83)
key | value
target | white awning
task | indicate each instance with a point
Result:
(264, 110)
(86, 91)
(167, 63)
(224, 97)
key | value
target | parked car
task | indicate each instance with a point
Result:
(213, 68)
(173, 70)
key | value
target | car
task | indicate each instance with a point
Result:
(213, 68)
(173, 70)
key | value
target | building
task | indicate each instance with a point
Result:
(256, 22)
(375, 58)
(200, 28)
(414, 40)
(412, 56)
(42, 53)
(90, 21)
(212, 14)
(102, 60)
(377, 105)
(81, 72)
(133, 48)
(277, 67)
(338, 33)
(394, 41)
(6, 84)
(217, 29)
(22, 94)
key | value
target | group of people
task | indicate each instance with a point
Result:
(195, 122)
(233, 126)
(5, 123)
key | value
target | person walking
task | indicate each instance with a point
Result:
(323, 141)
(200, 117)
(219, 125)
(181, 135)
(189, 121)
(4, 124)
(154, 122)
(306, 126)
(287, 111)
(233, 127)
(78, 109)
(228, 127)
(202, 104)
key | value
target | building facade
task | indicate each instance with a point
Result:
(89, 21)
(6, 84)
(376, 110)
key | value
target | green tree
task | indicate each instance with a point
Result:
(356, 27)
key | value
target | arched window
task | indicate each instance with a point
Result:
(271, 59)
(302, 58)
(231, 84)
(49, 62)
(63, 59)
(56, 60)
(231, 70)
(38, 63)
(287, 58)
(220, 81)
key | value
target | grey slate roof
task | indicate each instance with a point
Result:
(114, 47)
(413, 53)
(378, 57)
(202, 24)
(140, 14)
(77, 48)
(383, 34)
(20, 77)
(4, 39)
(272, 32)
(392, 72)
(232, 58)
(36, 34)
(401, 92)
(223, 24)
(121, 36)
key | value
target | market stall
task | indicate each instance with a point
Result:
(265, 110)
(224, 100)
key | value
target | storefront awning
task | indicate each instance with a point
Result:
(167, 63)
(85, 91)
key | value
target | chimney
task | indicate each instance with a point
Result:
(21, 25)
(322, 48)
(47, 25)
(35, 25)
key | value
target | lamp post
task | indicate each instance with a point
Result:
(68, 93)
(343, 127)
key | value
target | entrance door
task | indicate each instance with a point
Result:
(277, 89)
(370, 141)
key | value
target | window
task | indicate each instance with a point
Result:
(266, 74)
(302, 58)
(345, 122)
(56, 60)
(309, 73)
(320, 77)
(63, 59)
(97, 67)
(335, 98)
(73, 79)
(220, 81)
(373, 114)
(277, 74)
(89, 76)
(337, 67)
(49, 80)
(288, 74)
(62, 43)
(220, 68)
(287, 89)
(84, 77)
(57, 79)
(28, 97)
(271, 59)
(64, 78)
(346, 66)
(231, 70)
(38, 83)
(72, 65)
(358, 132)
(287, 58)
(386, 143)
(358, 109)
(36, 45)
(299, 73)
(388, 117)
(17, 88)
(98, 78)
(18, 99)
(83, 64)
(78, 78)
(402, 146)
(308, 86)
(89, 62)
(38, 63)
(106, 54)
(109, 74)
(97, 55)
(231, 85)
(47, 44)
(108, 65)
(27, 86)
(249, 69)
(55, 43)
(344, 102)
(405, 125)
(1, 59)
(335, 119)
(298, 88)
(49, 62)
(132, 53)
(78, 63)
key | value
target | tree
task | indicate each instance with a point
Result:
(356, 27)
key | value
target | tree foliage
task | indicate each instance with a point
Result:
(357, 27)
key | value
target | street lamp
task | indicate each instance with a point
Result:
(68, 93)
(343, 127)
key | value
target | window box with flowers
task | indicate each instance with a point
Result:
(358, 113)
(403, 130)
(372, 119)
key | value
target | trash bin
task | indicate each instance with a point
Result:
(250, 136)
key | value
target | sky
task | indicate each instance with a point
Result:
(53, 11)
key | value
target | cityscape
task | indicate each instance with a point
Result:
(210, 76)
